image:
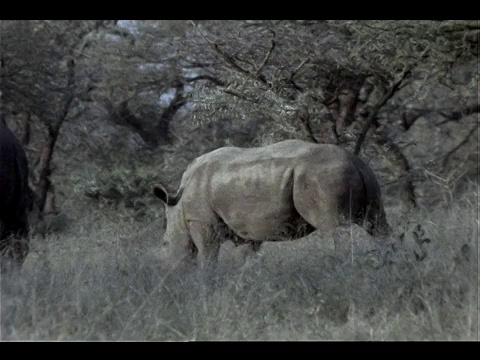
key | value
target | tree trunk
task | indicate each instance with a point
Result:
(43, 185)
(25, 140)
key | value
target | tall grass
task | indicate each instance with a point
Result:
(106, 281)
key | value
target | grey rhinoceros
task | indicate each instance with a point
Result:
(261, 193)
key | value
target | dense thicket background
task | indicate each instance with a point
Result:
(108, 108)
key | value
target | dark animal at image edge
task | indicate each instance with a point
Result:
(260, 193)
(16, 199)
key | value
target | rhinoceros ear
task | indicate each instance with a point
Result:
(161, 193)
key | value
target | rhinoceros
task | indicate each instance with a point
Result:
(16, 200)
(262, 193)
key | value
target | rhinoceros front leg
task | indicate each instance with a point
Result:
(181, 253)
(208, 246)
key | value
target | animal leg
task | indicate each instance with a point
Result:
(181, 253)
(208, 246)
(252, 249)
(314, 204)
(249, 250)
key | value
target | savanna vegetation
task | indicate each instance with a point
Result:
(106, 109)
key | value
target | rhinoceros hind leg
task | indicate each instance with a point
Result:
(208, 246)
(315, 205)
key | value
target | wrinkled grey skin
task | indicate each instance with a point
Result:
(264, 193)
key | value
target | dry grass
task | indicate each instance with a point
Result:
(105, 281)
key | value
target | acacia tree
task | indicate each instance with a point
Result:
(333, 79)
(330, 81)
(40, 65)
(141, 80)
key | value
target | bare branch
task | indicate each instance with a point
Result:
(413, 114)
(205, 77)
(229, 61)
(240, 96)
(305, 120)
(304, 61)
(193, 65)
(456, 148)
(373, 114)
(457, 115)
(294, 72)
(162, 128)
(267, 56)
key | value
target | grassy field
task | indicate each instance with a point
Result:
(104, 280)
